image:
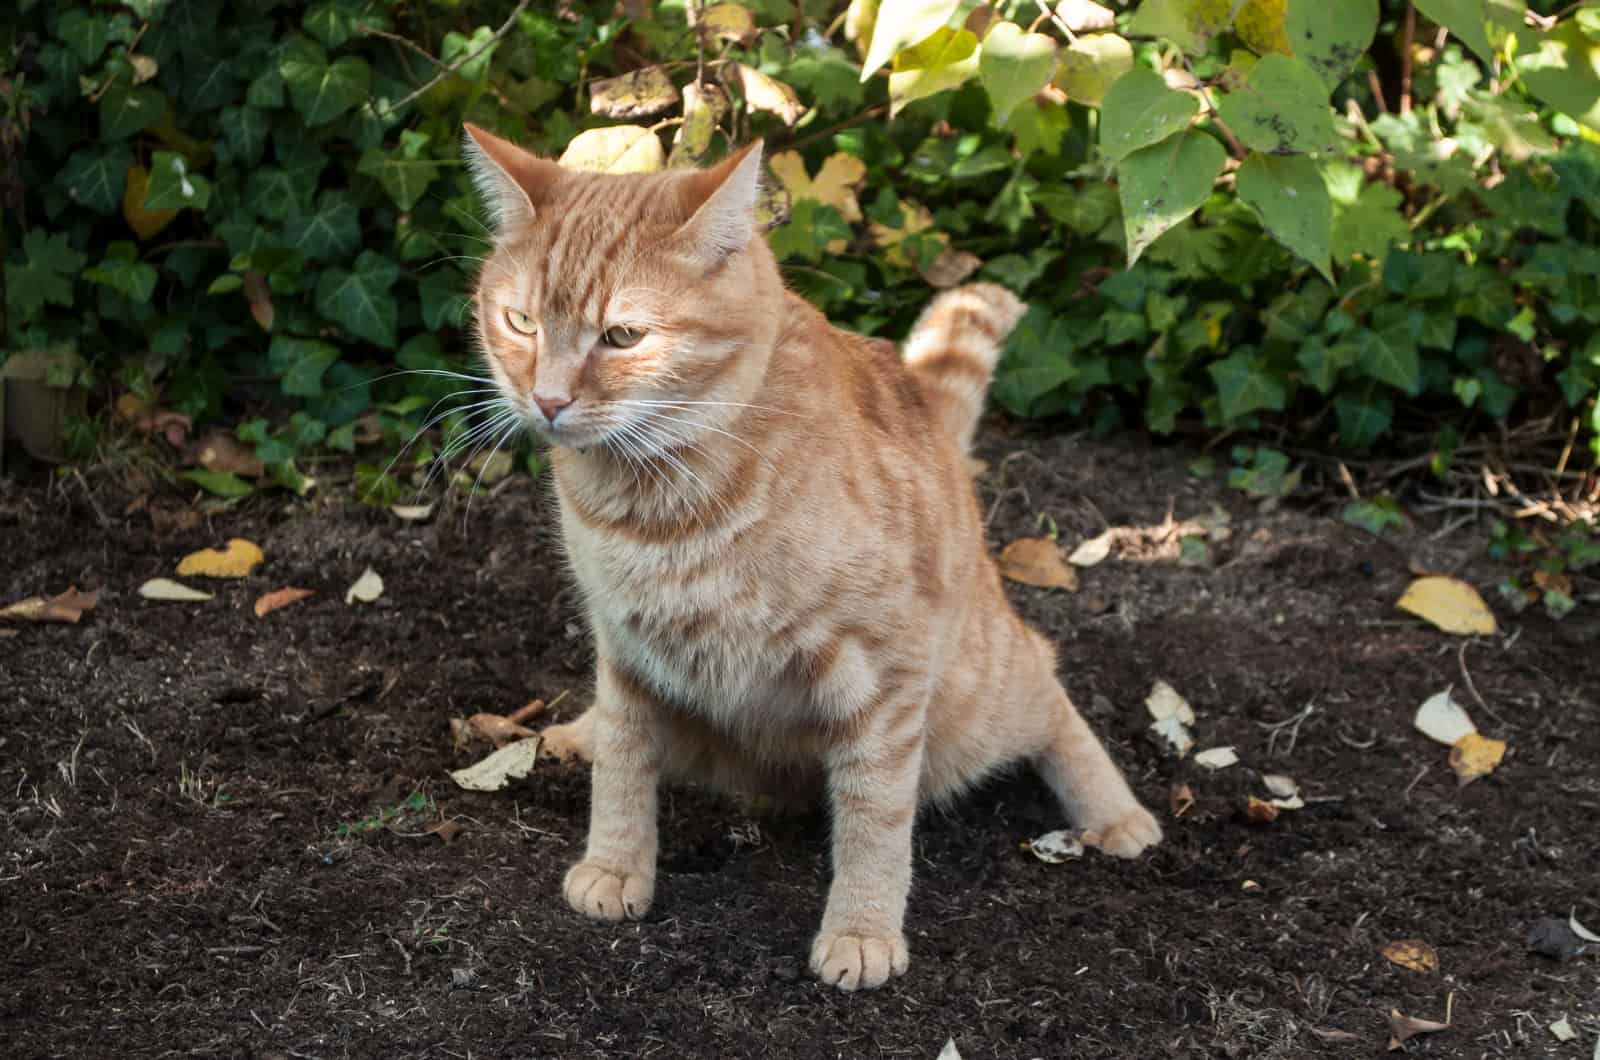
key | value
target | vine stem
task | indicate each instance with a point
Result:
(446, 71)
(1406, 42)
(1205, 94)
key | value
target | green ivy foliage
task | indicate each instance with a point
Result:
(1219, 210)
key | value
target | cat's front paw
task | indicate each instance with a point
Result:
(1128, 836)
(570, 742)
(601, 893)
(858, 960)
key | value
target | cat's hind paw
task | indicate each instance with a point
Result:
(571, 742)
(603, 894)
(858, 961)
(1128, 836)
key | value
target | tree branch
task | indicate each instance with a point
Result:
(446, 71)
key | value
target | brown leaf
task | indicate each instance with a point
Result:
(532, 709)
(447, 831)
(259, 295)
(1181, 799)
(951, 267)
(267, 603)
(1037, 561)
(640, 94)
(1414, 954)
(1474, 756)
(1403, 1027)
(65, 607)
(1553, 582)
(1261, 812)
(1329, 1034)
(218, 451)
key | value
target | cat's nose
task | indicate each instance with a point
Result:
(551, 406)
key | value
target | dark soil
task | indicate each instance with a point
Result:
(216, 827)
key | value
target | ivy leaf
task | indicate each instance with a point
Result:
(1013, 66)
(221, 483)
(458, 46)
(125, 110)
(901, 23)
(95, 176)
(244, 130)
(1244, 386)
(1039, 125)
(266, 91)
(1331, 37)
(827, 75)
(405, 179)
(1390, 356)
(1370, 224)
(1140, 110)
(1037, 361)
(1091, 64)
(944, 60)
(444, 300)
(811, 229)
(1162, 184)
(300, 363)
(1363, 421)
(121, 271)
(46, 275)
(320, 90)
(333, 22)
(360, 299)
(1281, 110)
(1289, 196)
(173, 187)
(88, 34)
(330, 232)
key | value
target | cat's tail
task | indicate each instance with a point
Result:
(953, 348)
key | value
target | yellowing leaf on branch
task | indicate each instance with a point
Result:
(728, 23)
(145, 223)
(915, 218)
(1091, 64)
(615, 149)
(1037, 561)
(944, 60)
(1014, 65)
(834, 184)
(236, 560)
(1449, 603)
(767, 94)
(1083, 16)
(640, 94)
(899, 23)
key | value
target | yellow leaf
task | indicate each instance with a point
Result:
(1260, 24)
(1449, 603)
(1037, 561)
(615, 149)
(145, 223)
(914, 218)
(1413, 954)
(237, 560)
(639, 94)
(763, 93)
(1090, 64)
(729, 23)
(1260, 811)
(1475, 755)
(834, 185)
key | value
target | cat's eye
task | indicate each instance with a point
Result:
(520, 322)
(623, 337)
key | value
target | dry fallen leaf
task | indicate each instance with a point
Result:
(1280, 785)
(950, 268)
(167, 589)
(267, 603)
(1056, 847)
(1475, 756)
(1180, 799)
(1037, 561)
(411, 513)
(65, 607)
(218, 451)
(1562, 1029)
(1259, 811)
(1403, 1027)
(1217, 757)
(447, 831)
(1092, 551)
(729, 23)
(1175, 733)
(1330, 1034)
(509, 763)
(1443, 720)
(640, 94)
(366, 589)
(1449, 603)
(238, 559)
(498, 729)
(1165, 702)
(1414, 954)
(1579, 930)
(949, 1052)
(764, 93)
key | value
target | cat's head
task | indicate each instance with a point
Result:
(631, 308)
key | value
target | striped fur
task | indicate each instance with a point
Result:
(782, 559)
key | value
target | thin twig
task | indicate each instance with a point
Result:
(1045, 11)
(1289, 725)
(1216, 116)
(1466, 675)
(447, 71)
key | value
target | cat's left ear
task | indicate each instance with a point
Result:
(722, 204)
(512, 181)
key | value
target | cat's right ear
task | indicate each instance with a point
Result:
(512, 181)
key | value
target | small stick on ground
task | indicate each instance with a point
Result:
(1416, 780)
(1466, 675)
(1289, 725)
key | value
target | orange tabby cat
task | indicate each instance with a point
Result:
(779, 548)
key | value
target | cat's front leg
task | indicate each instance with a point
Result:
(616, 879)
(872, 785)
